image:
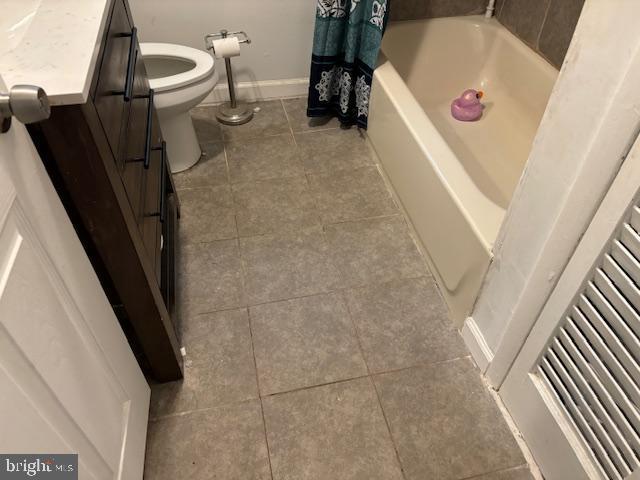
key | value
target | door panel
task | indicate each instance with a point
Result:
(51, 335)
(69, 382)
(574, 389)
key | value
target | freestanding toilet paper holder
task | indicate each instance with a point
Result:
(232, 112)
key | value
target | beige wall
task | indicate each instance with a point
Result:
(282, 31)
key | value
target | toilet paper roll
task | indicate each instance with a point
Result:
(226, 47)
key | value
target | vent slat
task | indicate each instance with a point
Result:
(568, 374)
(603, 287)
(581, 422)
(635, 218)
(622, 281)
(617, 426)
(628, 262)
(605, 378)
(630, 239)
(610, 340)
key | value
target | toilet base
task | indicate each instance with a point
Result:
(183, 149)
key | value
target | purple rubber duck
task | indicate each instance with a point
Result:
(467, 107)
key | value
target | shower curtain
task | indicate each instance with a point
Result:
(346, 43)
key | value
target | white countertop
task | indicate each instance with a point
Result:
(52, 44)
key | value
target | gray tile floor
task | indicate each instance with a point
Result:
(318, 346)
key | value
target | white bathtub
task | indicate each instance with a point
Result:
(454, 179)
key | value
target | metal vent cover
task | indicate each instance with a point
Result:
(591, 363)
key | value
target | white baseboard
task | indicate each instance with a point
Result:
(262, 90)
(476, 344)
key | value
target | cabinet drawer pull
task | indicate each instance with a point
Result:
(163, 184)
(147, 140)
(146, 159)
(131, 65)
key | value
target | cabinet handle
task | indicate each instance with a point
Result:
(163, 184)
(146, 159)
(131, 65)
(147, 140)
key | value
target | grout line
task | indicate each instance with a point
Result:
(252, 138)
(364, 219)
(320, 129)
(226, 163)
(255, 366)
(369, 375)
(509, 469)
(544, 20)
(319, 385)
(386, 421)
(306, 174)
(422, 365)
(158, 418)
(308, 387)
(339, 290)
(320, 225)
(375, 388)
(293, 134)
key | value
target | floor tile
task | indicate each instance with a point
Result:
(207, 127)
(276, 205)
(270, 120)
(223, 443)
(332, 432)
(331, 151)
(304, 342)
(374, 251)
(351, 195)
(279, 267)
(403, 323)
(296, 109)
(522, 473)
(207, 214)
(219, 366)
(209, 278)
(211, 169)
(264, 158)
(445, 423)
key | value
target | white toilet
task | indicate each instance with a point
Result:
(181, 78)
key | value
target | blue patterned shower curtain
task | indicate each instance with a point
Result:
(346, 43)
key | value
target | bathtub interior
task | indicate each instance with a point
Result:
(440, 58)
(454, 179)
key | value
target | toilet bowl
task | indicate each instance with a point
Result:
(181, 78)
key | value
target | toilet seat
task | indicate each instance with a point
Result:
(204, 65)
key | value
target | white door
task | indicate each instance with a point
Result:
(574, 389)
(69, 382)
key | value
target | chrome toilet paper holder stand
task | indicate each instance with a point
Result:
(232, 112)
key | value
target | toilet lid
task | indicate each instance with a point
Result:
(204, 64)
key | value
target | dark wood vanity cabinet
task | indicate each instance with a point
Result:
(107, 159)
